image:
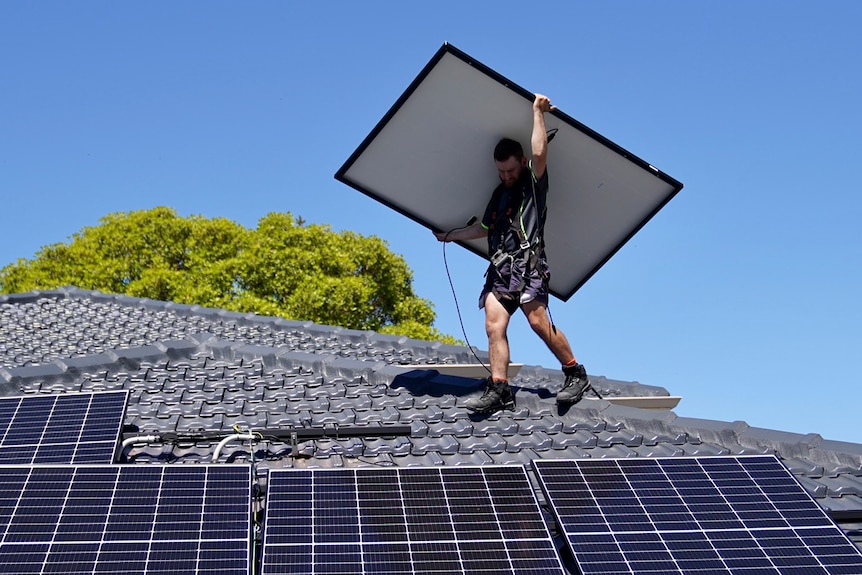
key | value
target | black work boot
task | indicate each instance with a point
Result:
(576, 384)
(498, 395)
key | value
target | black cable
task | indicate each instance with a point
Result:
(455, 297)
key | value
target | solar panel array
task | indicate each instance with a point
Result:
(742, 515)
(125, 519)
(406, 520)
(68, 428)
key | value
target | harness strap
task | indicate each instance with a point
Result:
(528, 254)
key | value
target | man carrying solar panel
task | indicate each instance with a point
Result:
(518, 276)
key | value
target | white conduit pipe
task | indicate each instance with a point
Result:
(227, 440)
(139, 439)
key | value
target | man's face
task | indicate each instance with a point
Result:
(510, 170)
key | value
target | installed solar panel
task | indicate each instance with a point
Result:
(713, 515)
(405, 520)
(132, 519)
(69, 428)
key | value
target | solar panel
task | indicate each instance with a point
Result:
(68, 428)
(125, 519)
(744, 514)
(430, 159)
(405, 520)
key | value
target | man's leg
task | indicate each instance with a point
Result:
(496, 327)
(576, 382)
(537, 316)
(498, 395)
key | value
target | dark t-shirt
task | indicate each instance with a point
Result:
(521, 206)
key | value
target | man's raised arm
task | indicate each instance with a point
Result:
(539, 139)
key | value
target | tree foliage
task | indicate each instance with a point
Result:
(282, 268)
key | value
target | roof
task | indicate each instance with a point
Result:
(329, 397)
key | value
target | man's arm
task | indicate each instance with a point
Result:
(539, 139)
(472, 232)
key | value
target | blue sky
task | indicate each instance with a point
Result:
(742, 295)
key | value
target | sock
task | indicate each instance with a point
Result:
(572, 362)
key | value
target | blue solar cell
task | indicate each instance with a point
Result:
(406, 520)
(113, 519)
(693, 515)
(69, 428)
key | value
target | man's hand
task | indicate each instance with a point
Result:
(543, 104)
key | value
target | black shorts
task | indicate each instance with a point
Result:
(505, 281)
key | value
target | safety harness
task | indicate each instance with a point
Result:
(526, 258)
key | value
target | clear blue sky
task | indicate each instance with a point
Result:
(742, 295)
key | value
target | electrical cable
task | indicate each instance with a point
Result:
(455, 297)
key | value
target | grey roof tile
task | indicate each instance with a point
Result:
(288, 420)
(358, 402)
(504, 426)
(490, 443)
(444, 445)
(334, 462)
(351, 447)
(473, 458)
(443, 402)
(580, 438)
(619, 437)
(569, 452)
(342, 417)
(660, 450)
(515, 458)
(401, 401)
(429, 459)
(385, 415)
(803, 467)
(198, 423)
(429, 415)
(458, 428)
(398, 446)
(537, 441)
(705, 449)
(614, 452)
(548, 424)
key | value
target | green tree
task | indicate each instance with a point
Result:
(282, 268)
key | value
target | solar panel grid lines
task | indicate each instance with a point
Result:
(125, 519)
(729, 514)
(405, 520)
(66, 428)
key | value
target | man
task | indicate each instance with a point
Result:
(518, 275)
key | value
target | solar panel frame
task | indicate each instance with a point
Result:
(125, 519)
(429, 158)
(405, 520)
(74, 428)
(725, 514)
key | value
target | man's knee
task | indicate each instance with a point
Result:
(537, 317)
(496, 317)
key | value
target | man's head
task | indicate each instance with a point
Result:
(510, 160)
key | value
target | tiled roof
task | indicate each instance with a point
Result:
(192, 371)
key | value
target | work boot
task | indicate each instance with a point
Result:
(576, 384)
(498, 395)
